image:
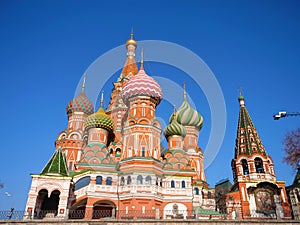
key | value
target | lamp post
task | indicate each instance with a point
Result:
(10, 214)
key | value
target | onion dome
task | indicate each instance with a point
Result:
(131, 41)
(99, 120)
(141, 85)
(80, 103)
(187, 116)
(174, 128)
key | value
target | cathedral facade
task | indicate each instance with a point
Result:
(111, 163)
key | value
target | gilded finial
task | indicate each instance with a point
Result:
(131, 40)
(184, 91)
(83, 83)
(131, 34)
(142, 59)
(102, 99)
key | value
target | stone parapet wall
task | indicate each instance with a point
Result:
(150, 222)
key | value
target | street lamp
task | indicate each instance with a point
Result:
(282, 114)
(10, 214)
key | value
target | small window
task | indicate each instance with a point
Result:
(71, 165)
(183, 184)
(245, 166)
(196, 191)
(99, 180)
(143, 151)
(108, 181)
(139, 179)
(172, 184)
(259, 165)
(128, 180)
(122, 181)
(148, 180)
(209, 195)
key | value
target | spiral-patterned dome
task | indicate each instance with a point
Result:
(187, 116)
(174, 128)
(141, 85)
(99, 120)
(80, 103)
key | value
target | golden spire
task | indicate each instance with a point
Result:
(184, 91)
(83, 83)
(102, 99)
(142, 59)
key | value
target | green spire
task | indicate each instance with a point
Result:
(247, 140)
(57, 165)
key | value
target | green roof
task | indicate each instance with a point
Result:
(57, 165)
(247, 133)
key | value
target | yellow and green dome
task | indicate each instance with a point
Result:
(99, 120)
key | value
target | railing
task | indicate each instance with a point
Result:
(266, 214)
(137, 214)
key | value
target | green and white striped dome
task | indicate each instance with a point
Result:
(187, 116)
(174, 128)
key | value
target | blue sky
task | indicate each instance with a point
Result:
(46, 46)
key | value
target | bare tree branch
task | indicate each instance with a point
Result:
(291, 143)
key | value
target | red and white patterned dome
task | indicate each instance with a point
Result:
(141, 85)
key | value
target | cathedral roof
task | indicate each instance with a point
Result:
(57, 165)
(174, 128)
(187, 116)
(142, 85)
(248, 141)
(99, 120)
(80, 103)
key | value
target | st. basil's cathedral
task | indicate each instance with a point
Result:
(111, 163)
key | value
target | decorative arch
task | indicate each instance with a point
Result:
(245, 167)
(175, 210)
(104, 209)
(259, 165)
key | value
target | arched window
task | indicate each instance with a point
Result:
(118, 152)
(139, 179)
(82, 182)
(99, 180)
(111, 151)
(245, 166)
(196, 191)
(208, 194)
(143, 151)
(172, 184)
(183, 184)
(128, 180)
(122, 181)
(148, 180)
(156, 181)
(108, 181)
(258, 165)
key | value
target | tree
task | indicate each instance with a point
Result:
(291, 143)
